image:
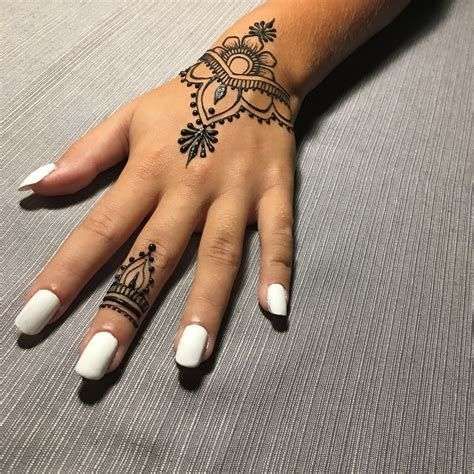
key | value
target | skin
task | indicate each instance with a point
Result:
(245, 181)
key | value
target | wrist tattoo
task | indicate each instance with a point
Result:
(128, 294)
(231, 80)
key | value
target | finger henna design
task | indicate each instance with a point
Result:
(128, 294)
(230, 80)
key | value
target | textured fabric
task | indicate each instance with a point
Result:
(372, 372)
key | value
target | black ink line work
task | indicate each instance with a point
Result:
(230, 80)
(128, 294)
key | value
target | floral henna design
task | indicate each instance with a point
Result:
(192, 139)
(128, 294)
(264, 31)
(230, 80)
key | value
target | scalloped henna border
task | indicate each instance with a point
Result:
(200, 137)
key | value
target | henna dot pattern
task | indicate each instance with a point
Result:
(233, 79)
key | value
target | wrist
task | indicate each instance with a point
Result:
(252, 56)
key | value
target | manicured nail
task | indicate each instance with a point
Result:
(36, 176)
(191, 346)
(96, 357)
(277, 299)
(37, 312)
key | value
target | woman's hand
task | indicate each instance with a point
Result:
(212, 150)
(247, 178)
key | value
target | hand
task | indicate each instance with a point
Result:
(232, 166)
(241, 172)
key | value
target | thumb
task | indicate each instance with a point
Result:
(99, 149)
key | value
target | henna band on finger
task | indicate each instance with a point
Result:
(128, 295)
(232, 79)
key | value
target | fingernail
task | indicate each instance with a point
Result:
(36, 314)
(36, 176)
(191, 346)
(96, 357)
(277, 299)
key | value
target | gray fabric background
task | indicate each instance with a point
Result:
(372, 372)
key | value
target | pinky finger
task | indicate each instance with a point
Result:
(275, 226)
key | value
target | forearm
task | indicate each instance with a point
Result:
(313, 36)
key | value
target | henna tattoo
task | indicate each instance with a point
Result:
(230, 80)
(194, 138)
(129, 292)
(264, 31)
(122, 312)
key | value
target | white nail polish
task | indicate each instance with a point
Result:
(36, 314)
(36, 176)
(96, 357)
(277, 299)
(191, 346)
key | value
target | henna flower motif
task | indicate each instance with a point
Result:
(195, 139)
(237, 77)
(246, 56)
(264, 31)
(232, 79)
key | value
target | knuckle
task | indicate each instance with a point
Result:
(223, 251)
(143, 170)
(283, 229)
(199, 176)
(243, 171)
(281, 245)
(282, 224)
(62, 267)
(280, 175)
(90, 165)
(281, 257)
(101, 225)
(203, 299)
